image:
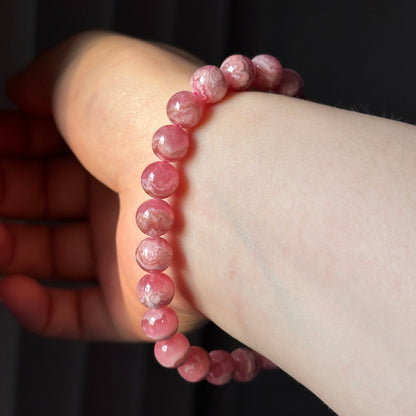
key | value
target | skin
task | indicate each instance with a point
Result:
(300, 244)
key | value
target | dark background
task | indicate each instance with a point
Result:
(356, 55)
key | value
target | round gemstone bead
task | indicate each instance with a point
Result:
(154, 254)
(265, 363)
(222, 367)
(160, 323)
(154, 217)
(245, 363)
(291, 84)
(170, 143)
(184, 109)
(238, 71)
(160, 179)
(197, 366)
(209, 84)
(172, 352)
(269, 72)
(155, 290)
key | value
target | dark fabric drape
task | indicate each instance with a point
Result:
(356, 54)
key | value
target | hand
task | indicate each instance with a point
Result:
(300, 244)
(83, 178)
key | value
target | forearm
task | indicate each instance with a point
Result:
(295, 226)
(299, 240)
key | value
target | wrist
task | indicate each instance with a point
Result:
(290, 265)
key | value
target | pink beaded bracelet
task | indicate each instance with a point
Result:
(155, 217)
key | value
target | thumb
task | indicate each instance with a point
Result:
(107, 94)
(32, 89)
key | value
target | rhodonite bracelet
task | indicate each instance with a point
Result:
(155, 217)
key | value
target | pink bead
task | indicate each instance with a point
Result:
(197, 366)
(269, 72)
(172, 352)
(291, 84)
(245, 364)
(170, 143)
(265, 363)
(209, 84)
(160, 323)
(154, 254)
(222, 367)
(160, 179)
(155, 290)
(184, 109)
(238, 71)
(154, 217)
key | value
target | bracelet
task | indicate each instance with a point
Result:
(155, 217)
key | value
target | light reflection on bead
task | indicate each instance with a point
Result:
(238, 71)
(160, 179)
(269, 72)
(172, 352)
(209, 84)
(160, 323)
(154, 217)
(184, 109)
(197, 366)
(245, 363)
(154, 254)
(222, 367)
(170, 143)
(155, 290)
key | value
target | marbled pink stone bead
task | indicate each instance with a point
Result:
(291, 84)
(238, 71)
(184, 109)
(155, 290)
(245, 363)
(172, 352)
(209, 84)
(154, 217)
(269, 72)
(154, 254)
(170, 143)
(160, 323)
(160, 179)
(265, 363)
(222, 367)
(197, 366)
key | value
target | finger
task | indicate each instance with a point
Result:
(45, 252)
(21, 135)
(62, 313)
(33, 89)
(54, 188)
